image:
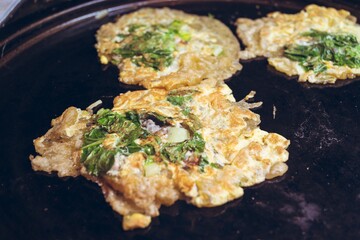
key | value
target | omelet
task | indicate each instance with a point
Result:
(319, 44)
(165, 48)
(155, 147)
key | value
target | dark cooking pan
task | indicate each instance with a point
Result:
(51, 64)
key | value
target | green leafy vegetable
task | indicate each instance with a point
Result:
(341, 49)
(175, 152)
(134, 117)
(216, 165)
(93, 137)
(180, 98)
(121, 36)
(186, 111)
(196, 143)
(134, 27)
(151, 46)
(126, 126)
(203, 163)
(149, 160)
(97, 159)
(149, 149)
(175, 27)
(116, 133)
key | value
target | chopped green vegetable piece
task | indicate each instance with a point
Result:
(95, 158)
(149, 149)
(196, 143)
(149, 160)
(341, 49)
(175, 152)
(98, 160)
(216, 165)
(134, 117)
(186, 111)
(95, 135)
(178, 100)
(126, 129)
(203, 163)
(134, 27)
(126, 126)
(105, 117)
(151, 46)
(175, 27)
(181, 98)
(131, 148)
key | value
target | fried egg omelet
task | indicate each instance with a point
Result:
(155, 147)
(319, 44)
(165, 48)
